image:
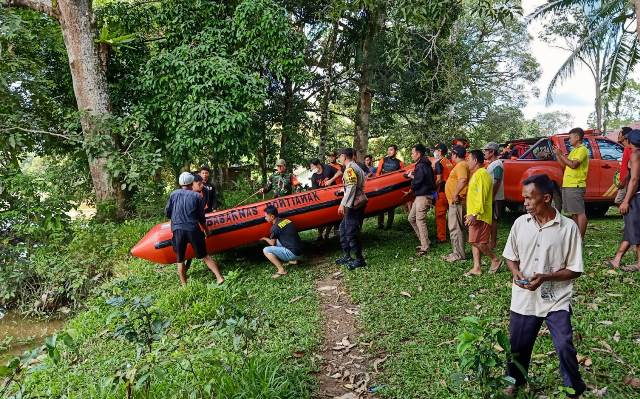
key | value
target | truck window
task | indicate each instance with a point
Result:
(586, 143)
(541, 151)
(609, 150)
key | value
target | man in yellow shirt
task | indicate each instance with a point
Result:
(456, 190)
(480, 213)
(574, 182)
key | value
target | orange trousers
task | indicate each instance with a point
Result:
(442, 206)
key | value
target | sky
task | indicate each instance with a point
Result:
(575, 95)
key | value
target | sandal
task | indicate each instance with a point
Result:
(631, 268)
(472, 274)
(611, 265)
(495, 269)
(278, 275)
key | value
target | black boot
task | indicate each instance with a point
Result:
(356, 263)
(345, 259)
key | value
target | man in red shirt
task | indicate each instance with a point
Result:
(623, 176)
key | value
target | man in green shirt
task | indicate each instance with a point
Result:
(282, 182)
(574, 182)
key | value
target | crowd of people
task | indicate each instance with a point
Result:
(543, 250)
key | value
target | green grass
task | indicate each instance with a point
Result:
(263, 365)
(417, 332)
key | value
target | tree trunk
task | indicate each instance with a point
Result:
(636, 5)
(90, 88)
(375, 24)
(330, 56)
(598, 104)
(287, 119)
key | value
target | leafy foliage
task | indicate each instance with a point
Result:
(484, 351)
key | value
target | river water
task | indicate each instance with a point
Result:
(18, 334)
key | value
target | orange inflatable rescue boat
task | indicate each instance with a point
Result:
(232, 228)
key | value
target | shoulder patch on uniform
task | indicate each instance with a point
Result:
(283, 223)
(350, 176)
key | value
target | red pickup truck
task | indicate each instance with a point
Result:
(604, 162)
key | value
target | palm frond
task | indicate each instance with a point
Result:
(598, 34)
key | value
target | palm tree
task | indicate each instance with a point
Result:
(608, 44)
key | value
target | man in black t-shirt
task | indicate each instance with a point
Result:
(284, 242)
(209, 193)
(322, 174)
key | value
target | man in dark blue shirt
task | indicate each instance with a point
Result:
(185, 208)
(284, 242)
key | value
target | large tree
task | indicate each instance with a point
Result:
(88, 74)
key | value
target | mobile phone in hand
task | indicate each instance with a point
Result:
(522, 282)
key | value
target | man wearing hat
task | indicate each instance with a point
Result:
(282, 182)
(185, 208)
(630, 206)
(496, 170)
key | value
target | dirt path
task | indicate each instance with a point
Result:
(345, 371)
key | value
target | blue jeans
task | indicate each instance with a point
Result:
(281, 252)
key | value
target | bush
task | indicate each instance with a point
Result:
(62, 271)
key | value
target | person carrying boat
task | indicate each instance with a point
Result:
(284, 242)
(185, 208)
(352, 209)
(332, 161)
(282, 182)
(322, 177)
(209, 191)
(371, 170)
(388, 164)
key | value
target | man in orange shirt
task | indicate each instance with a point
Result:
(388, 164)
(456, 191)
(443, 167)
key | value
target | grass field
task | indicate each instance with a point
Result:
(256, 338)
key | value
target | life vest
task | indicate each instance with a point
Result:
(447, 167)
(388, 165)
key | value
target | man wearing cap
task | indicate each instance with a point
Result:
(442, 168)
(496, 170)
(352, 209)
(388, 164)
(456, 192)
(185, 208)
(630, 206)
(282, 182)
(574, 182)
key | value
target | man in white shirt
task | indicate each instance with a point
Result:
(544, 254)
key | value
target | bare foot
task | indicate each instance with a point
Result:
(631, 268)
(473, 272)
(220, 280)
